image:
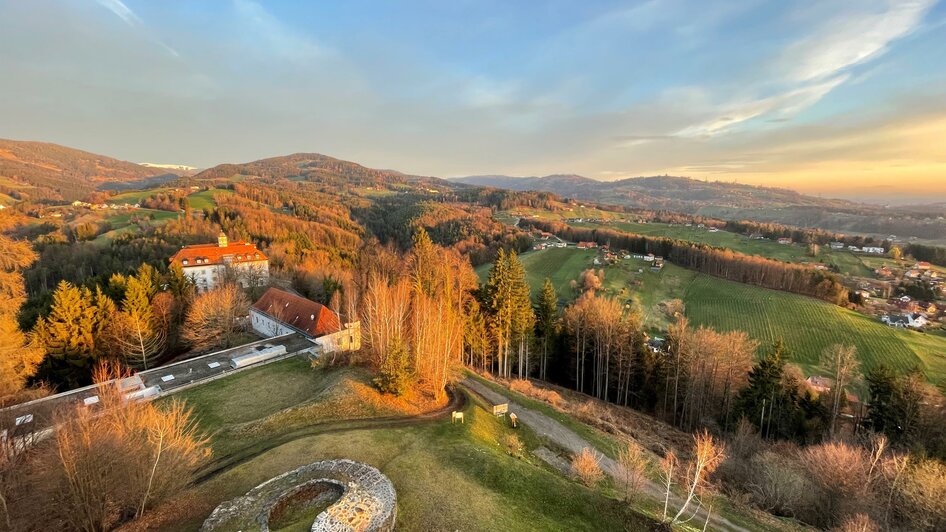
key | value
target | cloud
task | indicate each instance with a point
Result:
(278, 38)
(122, 11)
(125, 13)
(851, 38)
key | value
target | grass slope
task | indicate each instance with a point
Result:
(807, 325)
(205, 198)
(448, 477)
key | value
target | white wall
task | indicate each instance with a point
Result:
(267, 326)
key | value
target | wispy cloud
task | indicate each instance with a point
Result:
(814, 65)
(278, 38)
(122, 11)
(125, 13)
(851, 38)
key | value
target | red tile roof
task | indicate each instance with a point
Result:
(204, 254)
(308, 316)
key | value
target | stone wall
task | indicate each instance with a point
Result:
(368, 501)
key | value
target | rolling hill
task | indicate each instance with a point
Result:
(41, 170)
(733, 201)
(314, 167)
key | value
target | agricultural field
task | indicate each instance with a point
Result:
(478, 475)
(806, 325)
(135, 196)
(121, 222)
(847, 262)
(205, 198)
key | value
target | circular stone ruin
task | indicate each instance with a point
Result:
(355, 497)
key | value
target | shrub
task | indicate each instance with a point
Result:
(529, 390)
(513, 444)
(777, 484)
(632, 469)
(586, 469)
(920, 495)
(858, 523)
(840, 471)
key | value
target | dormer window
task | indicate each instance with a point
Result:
(184, 262)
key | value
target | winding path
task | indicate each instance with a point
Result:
(567, 439)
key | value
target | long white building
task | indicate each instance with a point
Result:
(209, 265)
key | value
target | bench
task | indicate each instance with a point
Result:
(457, 416)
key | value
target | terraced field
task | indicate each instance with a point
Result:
(808, 326)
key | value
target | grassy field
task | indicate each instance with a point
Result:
(205, 198)
(473, 476)
(135, 196)
(806, 325)
(847, 262)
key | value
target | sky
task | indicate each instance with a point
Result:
(843, 99)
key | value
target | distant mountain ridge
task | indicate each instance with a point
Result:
(41, 170)
(666, 192)
(734, 201)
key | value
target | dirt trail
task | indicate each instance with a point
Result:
(567, 439)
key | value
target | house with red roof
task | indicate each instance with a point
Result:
(279, 312)
(209, 265)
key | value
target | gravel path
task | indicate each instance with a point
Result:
(573, 443)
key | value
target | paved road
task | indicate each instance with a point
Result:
(37, 416)
(573, 443)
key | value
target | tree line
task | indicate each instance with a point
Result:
(718, 262)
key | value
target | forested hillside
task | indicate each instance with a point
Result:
(40, 170)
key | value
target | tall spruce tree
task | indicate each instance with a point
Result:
(547, 323)
(757, 400)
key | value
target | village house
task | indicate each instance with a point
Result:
(922, 265)
(905, 321)
(819, 384)
(209, 265)
(836, 245)
(587, 245)
(784, 240)
(873, 250)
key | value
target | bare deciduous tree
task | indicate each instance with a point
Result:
(214, 317)
(841, 361)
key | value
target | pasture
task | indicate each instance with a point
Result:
(205, 198)
(135, 196)
(846, 262)
(806, 325)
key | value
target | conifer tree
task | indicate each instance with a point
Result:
(547, 323)
(68, 334)
(18, 357)
(395, 374)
